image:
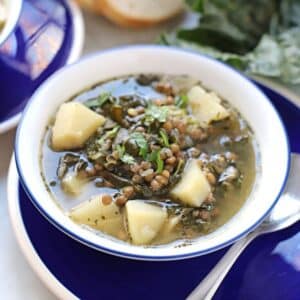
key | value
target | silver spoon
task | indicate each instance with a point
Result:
(285, 213)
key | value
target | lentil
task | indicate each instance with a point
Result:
(137, 179)
(165, 173)
(128, 191)
(211, 178)
(106, 199)
(121, 200)
(155, 185)
(161, 179)
(132, 112)
(175, 148)
(171, 160)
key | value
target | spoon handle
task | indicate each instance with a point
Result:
(209, 285)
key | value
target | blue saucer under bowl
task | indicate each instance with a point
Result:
(268, 269)
(48, 35)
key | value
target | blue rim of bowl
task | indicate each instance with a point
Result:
(18, 14)
(149, 257)
(74, 54)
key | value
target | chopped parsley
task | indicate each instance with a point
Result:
(108, 135)
(181, 101)
(154, 156)
(154, 113)
(141, 142)
(164, 137)
(125, 157)
(99, 101)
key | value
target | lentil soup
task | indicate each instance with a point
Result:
(149, 159)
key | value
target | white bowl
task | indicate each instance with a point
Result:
(13, 10)
(243, 94)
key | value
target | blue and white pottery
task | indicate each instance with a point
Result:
(254, 105)
(12, 10)
(268, 269)
(39, 38)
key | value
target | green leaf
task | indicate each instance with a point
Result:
(154, 156)
(273, 25)
(237, 61)
(108, 135)
(289, 42)
(227, 39)
(179, 167)
(154, 112)
(159, 163)
(121, 150)
(141, 142)
(125, 157)
(196, 5)
(260, 60)
(99, 101)
(164, 137)
(233, 26)
(284, 63)
(289, 15)
(181, 101)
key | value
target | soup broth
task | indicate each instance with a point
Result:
(159, 158)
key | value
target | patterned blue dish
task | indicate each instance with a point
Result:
(49, 35)
(268, 269)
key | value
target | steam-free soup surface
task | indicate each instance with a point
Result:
(149, 159)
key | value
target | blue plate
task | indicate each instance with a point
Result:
(268, 269)
(49, 35)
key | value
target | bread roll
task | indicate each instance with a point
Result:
(135, 13)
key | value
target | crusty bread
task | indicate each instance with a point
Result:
(135, 13)
(91, 5)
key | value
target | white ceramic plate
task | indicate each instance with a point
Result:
(23, 239)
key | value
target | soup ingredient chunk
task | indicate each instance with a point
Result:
(170, 225)
(73, 184)
(169, 159)
(193, 188)
(144, 221)
(206, 106)
(74, 124)
(99, 213)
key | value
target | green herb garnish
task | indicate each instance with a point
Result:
(181, 101)
(99, 101)
(154, 156)
(128, 159)
(108, 135)
(141, 142)
(179, 167)
(125, 157)
(159, 163)
(164, 137)
(154, 112)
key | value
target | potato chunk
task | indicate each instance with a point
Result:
(193, 188)
(206, 107)
(94, 213)
(74, 124)
(170, 225)
(144, 221)
(72, 184)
